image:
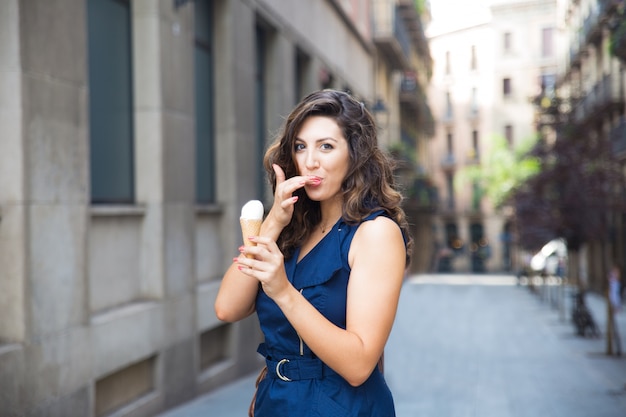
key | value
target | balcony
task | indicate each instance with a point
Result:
(617, 44)
(390, 33)
(473, 157)
(607, 7)
(409, 90)
(618, 138)
(473, 113)
(606, 95)
(592, 29)
(448, 162)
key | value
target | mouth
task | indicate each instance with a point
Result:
(315, 180)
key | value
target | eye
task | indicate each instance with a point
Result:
(326, 146)
(298, 147)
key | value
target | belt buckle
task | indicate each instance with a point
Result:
(278, 365)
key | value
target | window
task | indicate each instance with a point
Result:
(263, 35)
(474, 101)
(449, 144)
(476, 196)
(450, 189)
(547, 42)
(548, 82)
(303, 67)
(508, 135)
(475, 145)
(507, 42)
(204, 96)
(473, 63)
(506, 87)
(448, 105)
(448, 64)
(110, 101)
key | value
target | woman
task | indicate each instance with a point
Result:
(327, 267)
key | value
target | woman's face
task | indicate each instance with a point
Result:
(321, 150)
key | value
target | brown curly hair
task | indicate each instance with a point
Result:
(369, 184)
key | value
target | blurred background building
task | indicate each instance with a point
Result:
(490, 59)
(133, 132)
(585, 112)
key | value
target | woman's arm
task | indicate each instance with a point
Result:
(236, 298)
(377, 259)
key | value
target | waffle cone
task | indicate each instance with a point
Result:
(250, 227)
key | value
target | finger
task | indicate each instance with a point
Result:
(265, 242)
(292, 184)
(280, 174)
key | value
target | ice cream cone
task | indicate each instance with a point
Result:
(250, 220)
(250, 227)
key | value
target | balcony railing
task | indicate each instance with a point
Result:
(605, 94)
(618, 138)
(390, 34)
(592, 31)
(608, 6)
(409, 89)
(448, 161)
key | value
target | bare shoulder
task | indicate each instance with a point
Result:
(379, 236)
(379, 227)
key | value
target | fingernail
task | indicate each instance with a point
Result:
(235, 259)
(241, 248)
(294, 199)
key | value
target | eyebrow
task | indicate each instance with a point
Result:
(318, 140)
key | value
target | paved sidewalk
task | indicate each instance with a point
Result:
(480, 346)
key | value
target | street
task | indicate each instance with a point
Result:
(480, 346)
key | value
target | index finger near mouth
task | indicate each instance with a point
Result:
(295, 183)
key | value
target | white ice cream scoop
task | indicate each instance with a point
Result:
(253, 209)
(251, 220)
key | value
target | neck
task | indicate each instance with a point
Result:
(330, 213)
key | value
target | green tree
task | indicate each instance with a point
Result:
(502, 171)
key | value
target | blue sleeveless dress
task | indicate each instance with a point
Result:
(297, 383)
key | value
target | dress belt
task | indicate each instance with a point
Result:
(295, 368)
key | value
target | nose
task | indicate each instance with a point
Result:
(311, 161)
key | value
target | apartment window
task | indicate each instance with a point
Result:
(506, 87)
(507, 40)
(476, 196)
(547, 42)
(475, 144)
(508, 135)
(205, 105)
(448, 64)
(262, 47)
(448, 105)
(474, 101)
(548, 83)
(449, 144)
(303, 67)
(450, 190)
(473, 63)
(110, 101)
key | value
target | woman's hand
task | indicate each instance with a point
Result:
(284, 200)
(267, 266)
